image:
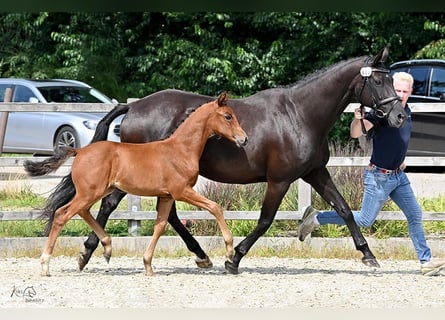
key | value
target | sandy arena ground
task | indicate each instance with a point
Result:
(262, 283)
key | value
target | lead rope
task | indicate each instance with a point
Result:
(362, 107)
(362, 111)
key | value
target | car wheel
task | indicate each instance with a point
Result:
(66, 137)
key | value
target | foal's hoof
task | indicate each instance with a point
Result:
(371, 262)
(107, 257)
(231, 268)
(204, 263)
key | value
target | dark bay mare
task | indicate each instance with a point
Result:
(102, 167)
(288, 129)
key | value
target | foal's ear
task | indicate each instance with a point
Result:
(222, 99)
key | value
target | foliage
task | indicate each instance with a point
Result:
(436, 48)
(132, 54)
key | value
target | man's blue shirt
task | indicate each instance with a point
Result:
(389, 145)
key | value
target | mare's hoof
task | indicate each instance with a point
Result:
(82, 261)
(371, 262)
(204, 263)
(231, 268)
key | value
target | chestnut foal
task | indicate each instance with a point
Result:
(167, 169)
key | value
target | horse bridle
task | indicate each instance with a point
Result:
(366, 73)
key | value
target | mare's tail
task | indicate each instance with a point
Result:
(64, 191)
(103, 126)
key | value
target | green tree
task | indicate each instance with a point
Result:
(132, 54)
(26, 51)
(436, 48)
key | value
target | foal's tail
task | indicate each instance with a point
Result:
(40, 168)
(63, 192)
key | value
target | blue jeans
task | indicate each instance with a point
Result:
(378, 187)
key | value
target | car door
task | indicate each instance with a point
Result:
(428, 134)
(23, 129)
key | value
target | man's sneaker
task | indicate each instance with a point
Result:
(308, 223)
(432, 267)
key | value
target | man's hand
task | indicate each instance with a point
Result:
(358, 114)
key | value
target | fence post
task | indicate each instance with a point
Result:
(304, 194)
(4, 118)
(133, 205)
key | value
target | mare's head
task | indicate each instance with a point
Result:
(223, 122)
(375, 90)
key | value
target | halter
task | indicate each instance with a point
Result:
(366, 73)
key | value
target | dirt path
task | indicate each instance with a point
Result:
(262, 283)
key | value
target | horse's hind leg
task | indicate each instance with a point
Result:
(163, 206)
(61, 217)
(322, 183)
(202, 259)
(108, 205)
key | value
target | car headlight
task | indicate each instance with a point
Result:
(90, 124)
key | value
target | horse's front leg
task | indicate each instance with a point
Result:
(163, 206)
(272, 200)
(322, 182)
(189, 195)
(202, 259)
(105, 239)
(108, 205)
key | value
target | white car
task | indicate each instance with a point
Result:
(44, 132)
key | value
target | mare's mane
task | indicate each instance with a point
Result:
(187, 114)
(318, 73)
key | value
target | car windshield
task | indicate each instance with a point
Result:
(72, 94)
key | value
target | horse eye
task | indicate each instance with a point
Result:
(378, 81)
(228, 116)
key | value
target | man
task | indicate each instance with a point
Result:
(384, 177)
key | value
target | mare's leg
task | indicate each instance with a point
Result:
(202, 259)
(105, 239)
(164, 205)
(272, 200)
(321, 181)
(191, 196)
(108, 205)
